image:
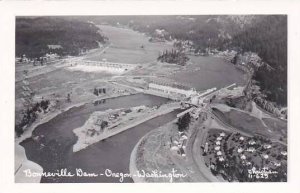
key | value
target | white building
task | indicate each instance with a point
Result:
(102, 66)
(171, 90)
(54, 47)
(243, 157)
(283, 153)
(219, 138)
(265, 156)
(217, 148)
(112, 65)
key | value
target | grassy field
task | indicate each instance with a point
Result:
(242, 121)
(58, 79)
(272, 128)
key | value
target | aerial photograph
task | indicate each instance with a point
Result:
(151, 98)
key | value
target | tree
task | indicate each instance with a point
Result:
(96, 92)
(69, 97)
(183, 122)
(104, 124)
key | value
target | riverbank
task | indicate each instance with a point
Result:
(52, 144)
(133, 161)
(21, 159)
(84, 140)
(22, 164)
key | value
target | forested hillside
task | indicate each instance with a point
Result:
(33, 35)
(268, 38)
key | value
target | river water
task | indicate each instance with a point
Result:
(214, 72)
(54, 150)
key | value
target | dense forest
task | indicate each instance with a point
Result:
(34, 34)
(268, 38)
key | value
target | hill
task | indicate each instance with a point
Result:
(268, 38)
(65, 36)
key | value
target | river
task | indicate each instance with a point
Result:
(125, 48)
(54, 150)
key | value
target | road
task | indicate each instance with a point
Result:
(194, 151)
(197, 139)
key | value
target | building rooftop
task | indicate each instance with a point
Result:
(219, 138)
(217, 148)
(265, 156)
(170, 84)
(240, 150)
(243, 156)
(52, 46)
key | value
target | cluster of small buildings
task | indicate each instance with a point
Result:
(217, 147)
(185, 46)
(248, 153)
(179, 145)
(159, 35)
(47, 58)
(54, 46)
(264, 156)
(102, 122)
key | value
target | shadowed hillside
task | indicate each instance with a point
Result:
(268, 38)
(67, 37)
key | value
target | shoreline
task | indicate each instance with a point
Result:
(22, 163)
(21, 158)
(132, 161)
(81, 145)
